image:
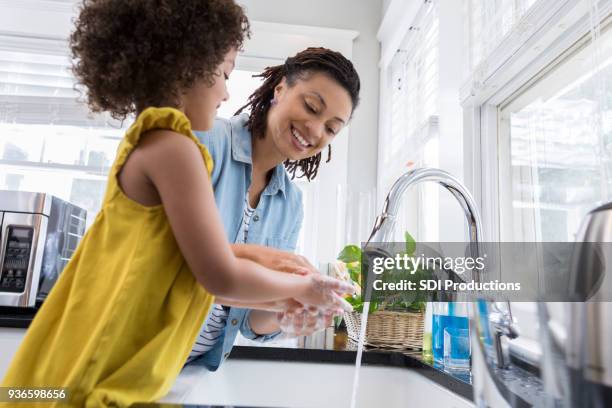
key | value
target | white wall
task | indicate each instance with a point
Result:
(385, 6)
(10, 339)
(363, 16)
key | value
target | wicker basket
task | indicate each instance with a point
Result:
(390, 329)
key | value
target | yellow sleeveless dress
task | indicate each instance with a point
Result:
(123, 316)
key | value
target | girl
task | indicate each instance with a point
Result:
(121, 320)
(309, 98)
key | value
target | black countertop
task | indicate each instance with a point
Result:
(16, 317)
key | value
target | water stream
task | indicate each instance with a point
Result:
(362, 331)
(360, 344)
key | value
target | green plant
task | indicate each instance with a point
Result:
(350, 256)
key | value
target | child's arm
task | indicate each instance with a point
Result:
(278, 306)
(174, 166)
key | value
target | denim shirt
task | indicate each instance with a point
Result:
(276, 222)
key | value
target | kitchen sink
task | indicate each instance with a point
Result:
(273, 383)
(300, 384)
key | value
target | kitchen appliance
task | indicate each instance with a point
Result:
(577, 358)
(38, 235)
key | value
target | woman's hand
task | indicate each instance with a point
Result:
(305, 322)
(274, 259)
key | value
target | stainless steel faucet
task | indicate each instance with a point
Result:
(499, 319)
(385, 222)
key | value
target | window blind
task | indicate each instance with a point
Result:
(410, 139)
(37, 87)
(488, 22)
(414, 91)
(49, 141)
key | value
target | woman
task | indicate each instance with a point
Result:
(296, 113)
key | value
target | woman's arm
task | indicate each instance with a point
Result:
(264, 322)
(173, 164)
(300, 322)
(273, 258)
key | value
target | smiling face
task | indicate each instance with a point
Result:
(307, 116)
(201, 101)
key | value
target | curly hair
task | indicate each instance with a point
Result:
(132, 54)
(311, 60)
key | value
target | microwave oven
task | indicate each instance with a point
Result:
(38, 235)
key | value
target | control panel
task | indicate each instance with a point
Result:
(18, 246)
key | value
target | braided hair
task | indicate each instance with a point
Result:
(311, 60)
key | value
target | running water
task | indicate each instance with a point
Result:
(362, 332)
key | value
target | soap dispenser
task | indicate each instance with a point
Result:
(446, 314)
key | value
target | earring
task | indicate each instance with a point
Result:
(273, 101)
(328, 154)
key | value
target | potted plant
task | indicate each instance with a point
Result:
(395, 322)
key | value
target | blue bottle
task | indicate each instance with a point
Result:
(446, 314)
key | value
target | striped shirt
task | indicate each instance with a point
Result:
(246, 219)
(211, 331)
(213, 327)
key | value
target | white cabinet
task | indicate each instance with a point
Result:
(10, 339)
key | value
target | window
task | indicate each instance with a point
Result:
(556, 148)
(48, 141)
(540, 102)
(556, 158)
(241, 84)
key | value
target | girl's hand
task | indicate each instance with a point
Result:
(286, 306)
(324, 292)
